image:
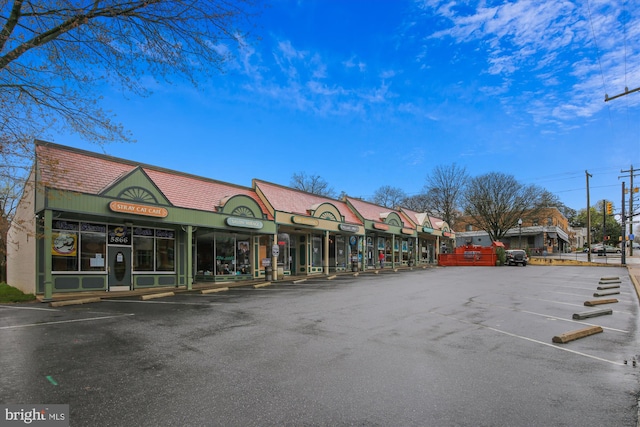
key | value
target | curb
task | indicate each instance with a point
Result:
(153, 296)
(261, 285)
(74, 302)
(577, 334)
(600, 301)
(592, 313)
(214, 290)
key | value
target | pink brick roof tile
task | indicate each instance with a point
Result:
(285, 199)
(82, 171)
(369, 211)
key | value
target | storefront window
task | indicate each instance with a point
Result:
(341, 251)
(387, 250)
(225, 254)
(143, 249)
(64, 250)
(243, 255)
(204, 254)
(165, 250)
(142, 253)
(93, 247)
(153, 250)
(316, 251)
(283, 254)
(405, 251)
(64, 246)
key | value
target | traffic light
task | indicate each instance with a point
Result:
(609, 208)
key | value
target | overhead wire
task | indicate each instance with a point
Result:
(595, 43)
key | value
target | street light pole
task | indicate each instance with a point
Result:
(520, 233)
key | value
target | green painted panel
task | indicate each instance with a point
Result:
(137, 186)
(86, 204)
(242, 206)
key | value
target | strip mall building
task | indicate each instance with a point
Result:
(90, 222)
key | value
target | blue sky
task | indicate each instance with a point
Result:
(373, 93)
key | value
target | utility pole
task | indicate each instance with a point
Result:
(604, 227)
(632, 191)
(588, 219)
(623, 240)
(608, 98)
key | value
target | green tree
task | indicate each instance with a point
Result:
(612, 227)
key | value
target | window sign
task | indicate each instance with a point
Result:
(64, 244)
(119, 235)
(65, 225)
(93, 228)
(97, 262)
(165, 234)
(139, 231)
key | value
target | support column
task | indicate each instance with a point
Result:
(325, 255)
(393, 251)
(274, 259)
(189, 257)
(46, 253)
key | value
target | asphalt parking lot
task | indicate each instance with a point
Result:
(437, 347)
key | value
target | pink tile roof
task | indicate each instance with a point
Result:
(416, 217)
(286, 199)
(372, 212)
(71, 169)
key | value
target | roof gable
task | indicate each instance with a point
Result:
(136, 186)
(81, 171)
(298, 202)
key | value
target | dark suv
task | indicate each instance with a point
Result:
(516, 256)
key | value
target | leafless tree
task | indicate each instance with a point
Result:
(417, 202)
(388, 196)
(312, 184)
(56, 56)
(495, 201)
(443, 191)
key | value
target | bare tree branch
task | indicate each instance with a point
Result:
(314, 184)
(495, 201)
(443, 191)
(389, 197)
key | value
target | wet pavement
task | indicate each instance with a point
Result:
(443, 347)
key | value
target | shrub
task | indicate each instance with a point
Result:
(11, 294)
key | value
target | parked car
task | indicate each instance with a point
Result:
(596, 248)
(608, 249)
(516, 256)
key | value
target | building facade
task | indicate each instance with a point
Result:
(546, 232)
(91, 222)
(315, 234)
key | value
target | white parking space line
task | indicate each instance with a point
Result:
(157, 302)
(90, 319)
(571, 304)
(546, 300)
(554, 346)
(528, 339)
(548, 316)
(28, 308)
